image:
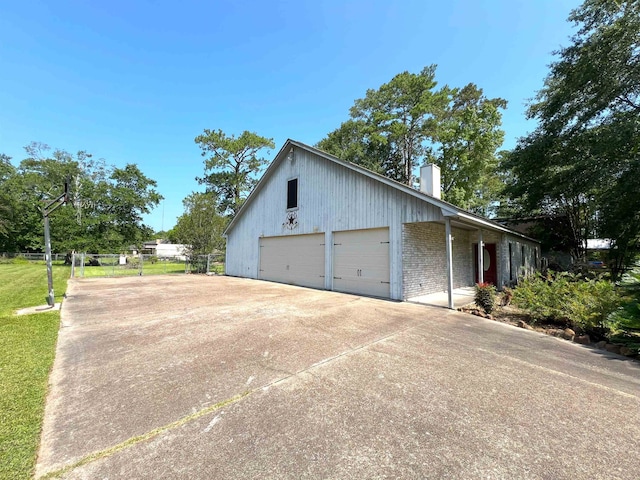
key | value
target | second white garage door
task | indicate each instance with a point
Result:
(294, 259)
(361, 262)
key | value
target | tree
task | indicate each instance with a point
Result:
(583, 159)
(352, 143)
(6, 172)
(466, 137)
(105, 211)
(390, 125)
(201, 226)
(131, 195)
(407, 122)
(231, 164)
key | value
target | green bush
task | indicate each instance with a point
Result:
(19, 261)
(485, 297)
(133, 262)
(628, 317)
(566, 298)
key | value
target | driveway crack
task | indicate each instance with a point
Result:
(107, 452)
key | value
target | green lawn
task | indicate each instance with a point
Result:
(158, 268)
(112, 270)
(27, 349)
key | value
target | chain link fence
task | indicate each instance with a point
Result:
(86, 265)
(32, 257)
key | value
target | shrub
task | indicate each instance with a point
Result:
(485, 297)
(507, 295)
(628, 317)
(20, 260)
(570, 299)
(133, 262)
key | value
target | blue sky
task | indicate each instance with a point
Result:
(135, 82)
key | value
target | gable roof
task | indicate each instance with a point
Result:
(448, 209)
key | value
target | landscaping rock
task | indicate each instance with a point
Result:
(610, 347)
(582, 339)
(628, 352)
(525, 325)
(601, 344)
(568, 334)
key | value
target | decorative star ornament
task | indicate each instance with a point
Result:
(292, 220)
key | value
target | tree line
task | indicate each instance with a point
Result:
(107, 202)
(582, 163)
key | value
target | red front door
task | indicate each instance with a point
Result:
(490, 273)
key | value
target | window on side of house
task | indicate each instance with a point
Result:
(292, 193)
(523, 257)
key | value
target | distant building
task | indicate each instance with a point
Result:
(598, 244)
(162, 249)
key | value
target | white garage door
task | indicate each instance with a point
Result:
(294, 259)
(361, 262)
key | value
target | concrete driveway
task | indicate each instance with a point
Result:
(218, 377)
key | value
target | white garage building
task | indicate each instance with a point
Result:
(317, 221)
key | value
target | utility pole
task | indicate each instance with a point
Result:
(46, 211)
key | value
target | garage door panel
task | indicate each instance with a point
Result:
(362, 286)
(293, 259)
(361, 262)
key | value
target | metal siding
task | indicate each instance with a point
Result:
(330, 198)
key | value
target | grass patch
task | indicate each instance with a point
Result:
(27, 349)
(112, 269)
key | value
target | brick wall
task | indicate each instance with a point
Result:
(424, 261)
